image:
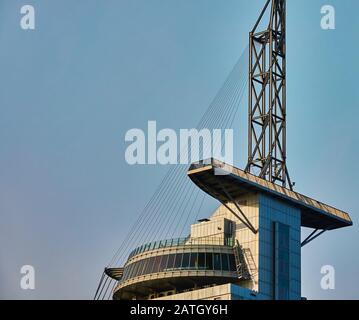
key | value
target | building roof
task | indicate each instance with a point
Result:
(212, 176)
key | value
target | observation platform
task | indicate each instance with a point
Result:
(179, 264)
(221, 180)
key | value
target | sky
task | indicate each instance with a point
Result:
(92, 70)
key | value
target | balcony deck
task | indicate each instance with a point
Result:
(212, 175)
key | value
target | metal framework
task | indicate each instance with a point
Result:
(314, 235)
(267, 96)
(240, 215)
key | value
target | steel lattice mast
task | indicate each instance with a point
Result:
(267, 96)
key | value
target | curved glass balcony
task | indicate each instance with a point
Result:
(181, 261)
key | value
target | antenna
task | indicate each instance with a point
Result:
(267, 97)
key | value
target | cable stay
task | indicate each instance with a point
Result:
(177, 202)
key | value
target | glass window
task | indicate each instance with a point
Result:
(217, 261)
(209, 261)
(201, 261)
(178, 261)
(171, 259)
(156, 265)
(141, 266)
(185, 261)
(225, 264)
(194, 261)
(149, 265)
(132, 270)
(282, 263)
(125, 273)
(164, 262)
(135, 267)
(232, 262)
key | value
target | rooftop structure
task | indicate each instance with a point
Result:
(225, 183)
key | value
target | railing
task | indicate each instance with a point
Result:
(170, 243)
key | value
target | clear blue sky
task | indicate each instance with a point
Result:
(94, 69)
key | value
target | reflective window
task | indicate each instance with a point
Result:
(209, 261)
(134, 271)
(125, 273)
(185, 261)
(225, 263)
(217, 261)
(282, 263)
(194, 260)
(131, 271)
(157, 263)
(171, 259)
(191, 261)
(178, 261)
(232, 262)
(201, 261)
(163, 263)
(141, 266)
(149, 265)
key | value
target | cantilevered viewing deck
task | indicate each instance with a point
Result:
(221, 180)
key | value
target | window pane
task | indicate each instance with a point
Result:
(132, 270)
(232, 262)
(135, 267)
(127, 273)
(217, 261)
(194, 261)
(141, 266)
(178, 261)
(201, 261)
(163, 263)
(156, 266)
(209, 261)
(282, 263)
(171, 259)
(225, 264)
(149, 266)
(185, 261)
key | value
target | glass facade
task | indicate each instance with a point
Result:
(281, 261)
(181, 261)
